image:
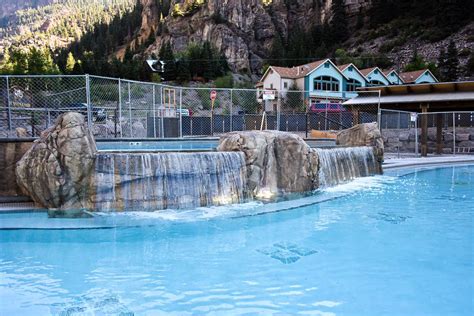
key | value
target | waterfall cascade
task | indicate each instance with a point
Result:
(152, 181)
(338, 165)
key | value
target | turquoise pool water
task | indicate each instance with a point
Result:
(398, 244)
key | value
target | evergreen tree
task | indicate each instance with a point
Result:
(339, 21)
(470, 65)
(277, 52)
(452, 62)
(182, 70)
(70, 63)
(166, 55)
(442, 63)
(210, 64)
(294, 99)
(416, 63)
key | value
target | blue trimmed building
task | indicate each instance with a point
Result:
(323, 81)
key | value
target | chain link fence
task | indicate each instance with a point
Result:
(117, 108)
(446, 132)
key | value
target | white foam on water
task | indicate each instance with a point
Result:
(363, 183)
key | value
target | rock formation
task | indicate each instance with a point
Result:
(55, 172)
(62, 170)
(277, 162)
(367, 134)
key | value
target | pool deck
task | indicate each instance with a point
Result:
(393, 163)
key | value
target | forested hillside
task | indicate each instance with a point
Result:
(202, 39)
(57, 23)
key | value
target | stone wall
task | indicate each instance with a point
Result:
(10, 153)
(403, 140)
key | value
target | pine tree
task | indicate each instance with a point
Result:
(442, 63)
(70, 63)
(182, 70)
(294, 99)
(416, 63)
(277, 52)
(339, 21)
(452, 62)
(166, 55)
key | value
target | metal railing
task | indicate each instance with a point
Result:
(118, 108)
(446, 132)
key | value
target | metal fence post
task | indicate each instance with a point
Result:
(130, 109)
(88, 98)
(9, 111)
(454, 133)
(278, 110)
(231, 108)
(162, 127)
(120, 107)
(379, 117)
(153, 116)
(416, 136)
(180, 113)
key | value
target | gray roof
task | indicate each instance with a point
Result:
(413, 98)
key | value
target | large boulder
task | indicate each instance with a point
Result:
(56, 170)
(277, 162)
(366, 134)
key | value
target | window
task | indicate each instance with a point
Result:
(376, 71)
(271, 85)
(326, 83)
(353, 84)
(376, 83)
(326, 65)
(285, 85)
(351, 68)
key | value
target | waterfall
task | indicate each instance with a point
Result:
(338, 165)
(152, 181)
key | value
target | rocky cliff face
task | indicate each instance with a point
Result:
(242, 30)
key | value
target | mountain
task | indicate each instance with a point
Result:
(9, 7)
(54, 23)
(250, 34)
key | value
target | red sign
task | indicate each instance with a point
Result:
(213, 94)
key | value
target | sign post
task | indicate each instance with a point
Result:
(213, 97)
(267, 95)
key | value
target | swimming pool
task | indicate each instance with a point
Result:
(398, 244)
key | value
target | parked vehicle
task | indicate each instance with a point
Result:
(183, 112)
(98, 114)
(327, 108)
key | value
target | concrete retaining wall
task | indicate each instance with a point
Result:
(403, 140)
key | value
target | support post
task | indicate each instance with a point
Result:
(355, 116)
(231, 108)
(180, 114)
(454, 133)
(119, 107)
(278, 110)
(130, 109)
(416, 137)
(9, 110)
(162, 127)
(439, 133)
(88, 98)
(153, 116)
(379, 112)
(424, 130)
